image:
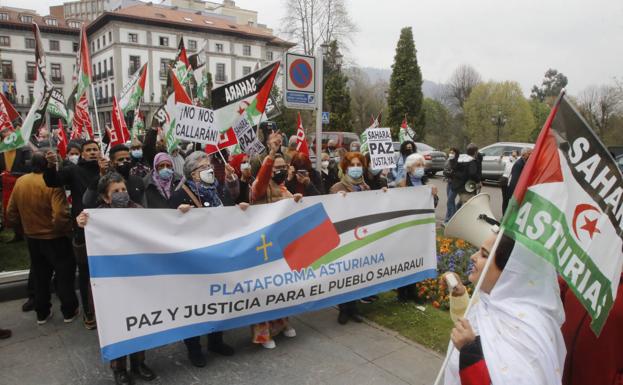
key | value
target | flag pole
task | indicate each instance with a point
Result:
(97, 119)
(451, 348)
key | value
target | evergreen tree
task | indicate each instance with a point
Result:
(336, 92)
(405, 87)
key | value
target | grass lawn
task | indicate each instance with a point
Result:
(430, 328)
(13, 256)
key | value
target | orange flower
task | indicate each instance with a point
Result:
(436, 305)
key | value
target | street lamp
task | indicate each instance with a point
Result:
(499, 121)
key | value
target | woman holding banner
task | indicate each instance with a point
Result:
(352, 166)
(269, 186)
(113, 193)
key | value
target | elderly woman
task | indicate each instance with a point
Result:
(270, 187)
(202, 190)
(113, 193)
(160, 183)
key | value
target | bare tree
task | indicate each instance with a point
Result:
(599, 105)
(312, 22)
(366, 98)
(461, 84)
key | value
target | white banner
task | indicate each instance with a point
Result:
(247, 137)
(379, 140)
(195, 124)
(183, 275)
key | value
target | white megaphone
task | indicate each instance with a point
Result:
(474, 221)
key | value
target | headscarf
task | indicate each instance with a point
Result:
(519, 324)
(163, 185)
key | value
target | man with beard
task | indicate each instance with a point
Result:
(77, 178)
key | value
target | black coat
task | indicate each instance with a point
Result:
(376, 182)
(515, 174)
(152, 198)
(134, 184)
(329, 179)
(181, 197)
(245, 191)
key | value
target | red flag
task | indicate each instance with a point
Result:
(301, 141)
(120, 133)
(7, 113)
(62, 140)
(404, 124)
(82, 120)
(180, 93)
(226, 139)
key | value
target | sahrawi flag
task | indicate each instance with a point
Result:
(57, 106)
(301, 141)
(133, 90)
(81, 120)
(247, 95)
(363, 138)
(7, 114)
(406, 132)
(41, 93)
(181, 67)
(178, 95)
(568, 209)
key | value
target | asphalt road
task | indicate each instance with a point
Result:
(440, 212)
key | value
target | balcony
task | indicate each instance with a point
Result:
(57, 79)
(7, 75)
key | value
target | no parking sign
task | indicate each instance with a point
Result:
(300, 87)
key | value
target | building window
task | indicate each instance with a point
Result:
(246, 50)
(269, 55)
(133, 37)
(51, 22)
(112, 90)
(4, 16)
(93, 72)
(30, 43)
(31, 92)
(246, 70)
(92, 46)
(110, 36)
(7, 70)
(135, 64)
(5, 41)
(75, 47)
(106, 92)
(30, 71)
(164, 68)
(105, 68)
(55, 45)
(192, 45)
(99, 70)
(164, 41)
(73, 24)
(219, 47)
(25, 19)
(104, 40)
(98, 43)
(110, 71)
(55, 72)
(220, 72)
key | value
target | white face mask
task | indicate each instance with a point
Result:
(73, 158)
(207, 176)
(324, 164)
(451, 156)
(245, 166)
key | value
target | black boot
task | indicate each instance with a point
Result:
(216, 345)
(342, 318)
(29, 305)
(197, 358)
(143, 372)
(122, 377)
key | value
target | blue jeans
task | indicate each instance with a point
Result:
(451, 202)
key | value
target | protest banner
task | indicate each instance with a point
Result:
(195, 124)
(247, 137)
(222, 268)
(379, 143)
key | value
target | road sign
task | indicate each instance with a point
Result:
(325, 117)
(300, 82)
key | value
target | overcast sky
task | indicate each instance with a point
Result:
(503, 39)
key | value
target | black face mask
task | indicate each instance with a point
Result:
(124, 169)
(407, 151)
(280, 176)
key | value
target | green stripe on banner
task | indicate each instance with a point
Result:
(542, 227)
(354, 245)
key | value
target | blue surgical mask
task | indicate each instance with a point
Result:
(165, 173)
(138, 154)
(418, 173)
(355, 172)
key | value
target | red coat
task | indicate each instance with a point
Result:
(591, 360)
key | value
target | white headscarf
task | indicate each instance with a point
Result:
(519, 325)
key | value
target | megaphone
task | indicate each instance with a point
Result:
(474, 221)
(470, 186)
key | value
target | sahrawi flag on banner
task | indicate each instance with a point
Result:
(568, 209)
(245, 96)
(41, 93)
(133, 90)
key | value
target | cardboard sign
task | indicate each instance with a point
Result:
(381, 148)
(195, 124)
(247, 137)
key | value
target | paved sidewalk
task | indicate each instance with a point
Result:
(324, 352)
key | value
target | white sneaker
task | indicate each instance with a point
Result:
(44, 321)
(289, 332)
(269, 345)
(73, 317)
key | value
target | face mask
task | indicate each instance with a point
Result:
(375, 172)
(245, 166)
(165, 173)
(73, 158)
(207, 176)
(337, 159)
(124, 168)
(451, 156)
(355, 172)
(418, 173)
(324, 164)
(280, 176)
(138, 154)
(119, 199)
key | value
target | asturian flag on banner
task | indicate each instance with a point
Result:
(568, 209)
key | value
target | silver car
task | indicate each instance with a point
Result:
(493, 158)
(434, 160)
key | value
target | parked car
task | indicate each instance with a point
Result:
(434, 160)
(619, 161)
(343, 139)
(493, 158)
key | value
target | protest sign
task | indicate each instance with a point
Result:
(247, 137)
(222, 268)
(195, 124)
(379, 141)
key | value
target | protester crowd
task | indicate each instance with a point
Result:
(48, 204)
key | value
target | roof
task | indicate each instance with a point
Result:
(15, 22)
(186, 20)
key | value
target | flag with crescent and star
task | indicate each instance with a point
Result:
(568, 208)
